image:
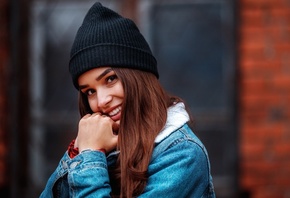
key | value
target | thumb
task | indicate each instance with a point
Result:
(113, 143)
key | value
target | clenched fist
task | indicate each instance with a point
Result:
(96, 132)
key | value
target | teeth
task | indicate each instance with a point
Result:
(115, 111)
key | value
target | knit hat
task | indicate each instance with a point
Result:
(107, 39)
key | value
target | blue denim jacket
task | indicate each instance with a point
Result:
(179, 167)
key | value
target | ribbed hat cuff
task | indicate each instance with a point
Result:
(111, 55)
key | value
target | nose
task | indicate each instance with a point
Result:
(104, 98)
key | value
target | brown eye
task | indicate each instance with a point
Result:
(111, 78)
(89, 92)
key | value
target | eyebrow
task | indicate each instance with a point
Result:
(104, 73)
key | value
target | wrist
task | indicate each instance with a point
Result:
(74, 151)
(90, 149)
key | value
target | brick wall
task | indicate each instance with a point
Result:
(264, 60)
(3, 93)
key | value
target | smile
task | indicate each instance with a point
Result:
(115, 111)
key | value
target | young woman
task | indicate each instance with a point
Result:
(133, 138)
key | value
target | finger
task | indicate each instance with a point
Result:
(96, 114)
(113, 143)
(86, 116)
(115, 140)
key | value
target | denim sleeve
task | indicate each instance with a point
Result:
(182, 170)
(88, 175)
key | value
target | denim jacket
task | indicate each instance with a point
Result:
(179, 167)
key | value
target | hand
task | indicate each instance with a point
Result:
(96, 132)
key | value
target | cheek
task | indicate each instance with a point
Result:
(93, 105)
(120, 91)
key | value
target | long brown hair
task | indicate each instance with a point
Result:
(144, 113)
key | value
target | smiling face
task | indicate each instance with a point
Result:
(104, 91)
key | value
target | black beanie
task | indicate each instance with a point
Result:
(107, 39)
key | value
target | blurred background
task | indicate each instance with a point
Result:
(229, 59)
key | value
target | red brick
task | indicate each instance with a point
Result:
(268, 33)
(254, 86)
(253, 151)
(281, 12)
(281, 83)
(269, 192)
(252, 17)
(258, 100)
(283, 151)
(248, 182)
(283, 182)
(265, 17)
(255, 178)
(253, 35)
(261, 132)
(270, 89)
(261, 68)
(263, 168)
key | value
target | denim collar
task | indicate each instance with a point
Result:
(176, 118)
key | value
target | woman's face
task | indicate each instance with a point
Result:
(104, 91)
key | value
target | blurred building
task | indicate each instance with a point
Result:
(230, 60)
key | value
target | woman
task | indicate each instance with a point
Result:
(133, 138)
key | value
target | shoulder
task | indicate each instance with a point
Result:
(182, 146)
(181, 158)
